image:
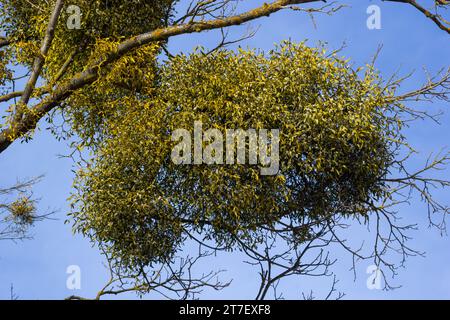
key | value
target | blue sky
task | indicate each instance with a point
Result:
(37, 268)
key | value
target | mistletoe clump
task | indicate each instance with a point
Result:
(336, 133)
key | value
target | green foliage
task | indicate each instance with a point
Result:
(25, 24)
(131, 77)
(5, 72)
(104, 23)
(336, 131)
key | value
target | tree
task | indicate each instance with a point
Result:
(340, 144)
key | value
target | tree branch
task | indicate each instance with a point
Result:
(22, 125)
(40, 59)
